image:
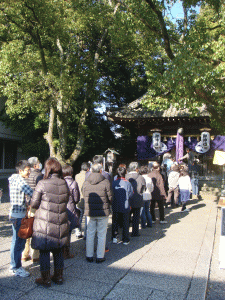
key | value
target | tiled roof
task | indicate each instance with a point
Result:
(135, 110)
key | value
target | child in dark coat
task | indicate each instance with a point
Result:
(74, 198)
(122, 190)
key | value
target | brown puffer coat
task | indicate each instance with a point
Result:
(51, 227)
(97, 193)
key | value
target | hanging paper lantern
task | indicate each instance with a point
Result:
(156, 141)
(204, 145)
(158, 146)
(205, 139)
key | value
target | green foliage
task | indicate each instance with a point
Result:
(53, 56)
(194, 75)
(73, 55)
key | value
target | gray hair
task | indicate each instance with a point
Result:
(133, 166)
(156, 165)
(85, 166)
(33, 161)
(167, 155)
(96, 168)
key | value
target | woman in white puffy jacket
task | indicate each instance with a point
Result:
(185, 187)
(147, 196)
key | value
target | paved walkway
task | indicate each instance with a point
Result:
(216, 282)
(169, 261)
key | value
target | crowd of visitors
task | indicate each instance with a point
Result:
(59, 201)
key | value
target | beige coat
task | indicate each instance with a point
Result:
(80, 178)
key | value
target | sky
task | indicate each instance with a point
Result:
(177, 10)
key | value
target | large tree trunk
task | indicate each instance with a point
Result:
(81, 130)
(80, 136)
(49, 135)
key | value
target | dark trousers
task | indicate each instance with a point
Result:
(161, 209)
(123, 220)
(57, 258)
(135, 211)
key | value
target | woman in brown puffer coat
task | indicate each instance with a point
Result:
(51, 227)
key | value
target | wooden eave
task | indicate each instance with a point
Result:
(155, 120)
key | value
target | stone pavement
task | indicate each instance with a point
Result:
(216, 282)
(168, 261)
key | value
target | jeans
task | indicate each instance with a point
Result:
(145, 215)
(79, 230)
(17, 245)
(99, 225)
(194, 185)
(57, 257)
(184, 195)
(116, 221)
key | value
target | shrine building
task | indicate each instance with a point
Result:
(157, 132)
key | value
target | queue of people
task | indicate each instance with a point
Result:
(59, 203)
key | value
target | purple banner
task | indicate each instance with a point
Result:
(145, 149)
(179, 146)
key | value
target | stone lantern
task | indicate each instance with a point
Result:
(110, 158)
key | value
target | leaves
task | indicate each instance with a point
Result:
(56, 58)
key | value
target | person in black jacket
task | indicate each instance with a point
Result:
(136, 201)
(122, 191)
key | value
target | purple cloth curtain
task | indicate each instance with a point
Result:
(217, 144)
(191, 143)
(145, 148)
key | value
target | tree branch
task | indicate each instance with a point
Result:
(185, 22)
(139, 17)
(163, 29)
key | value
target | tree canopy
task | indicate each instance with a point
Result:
(185, 60)
(61, 58)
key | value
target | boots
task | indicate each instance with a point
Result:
(66, 252)
(58, 276)
(45, 279)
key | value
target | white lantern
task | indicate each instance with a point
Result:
(156, 138)
(205, 139)
(204, 145)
